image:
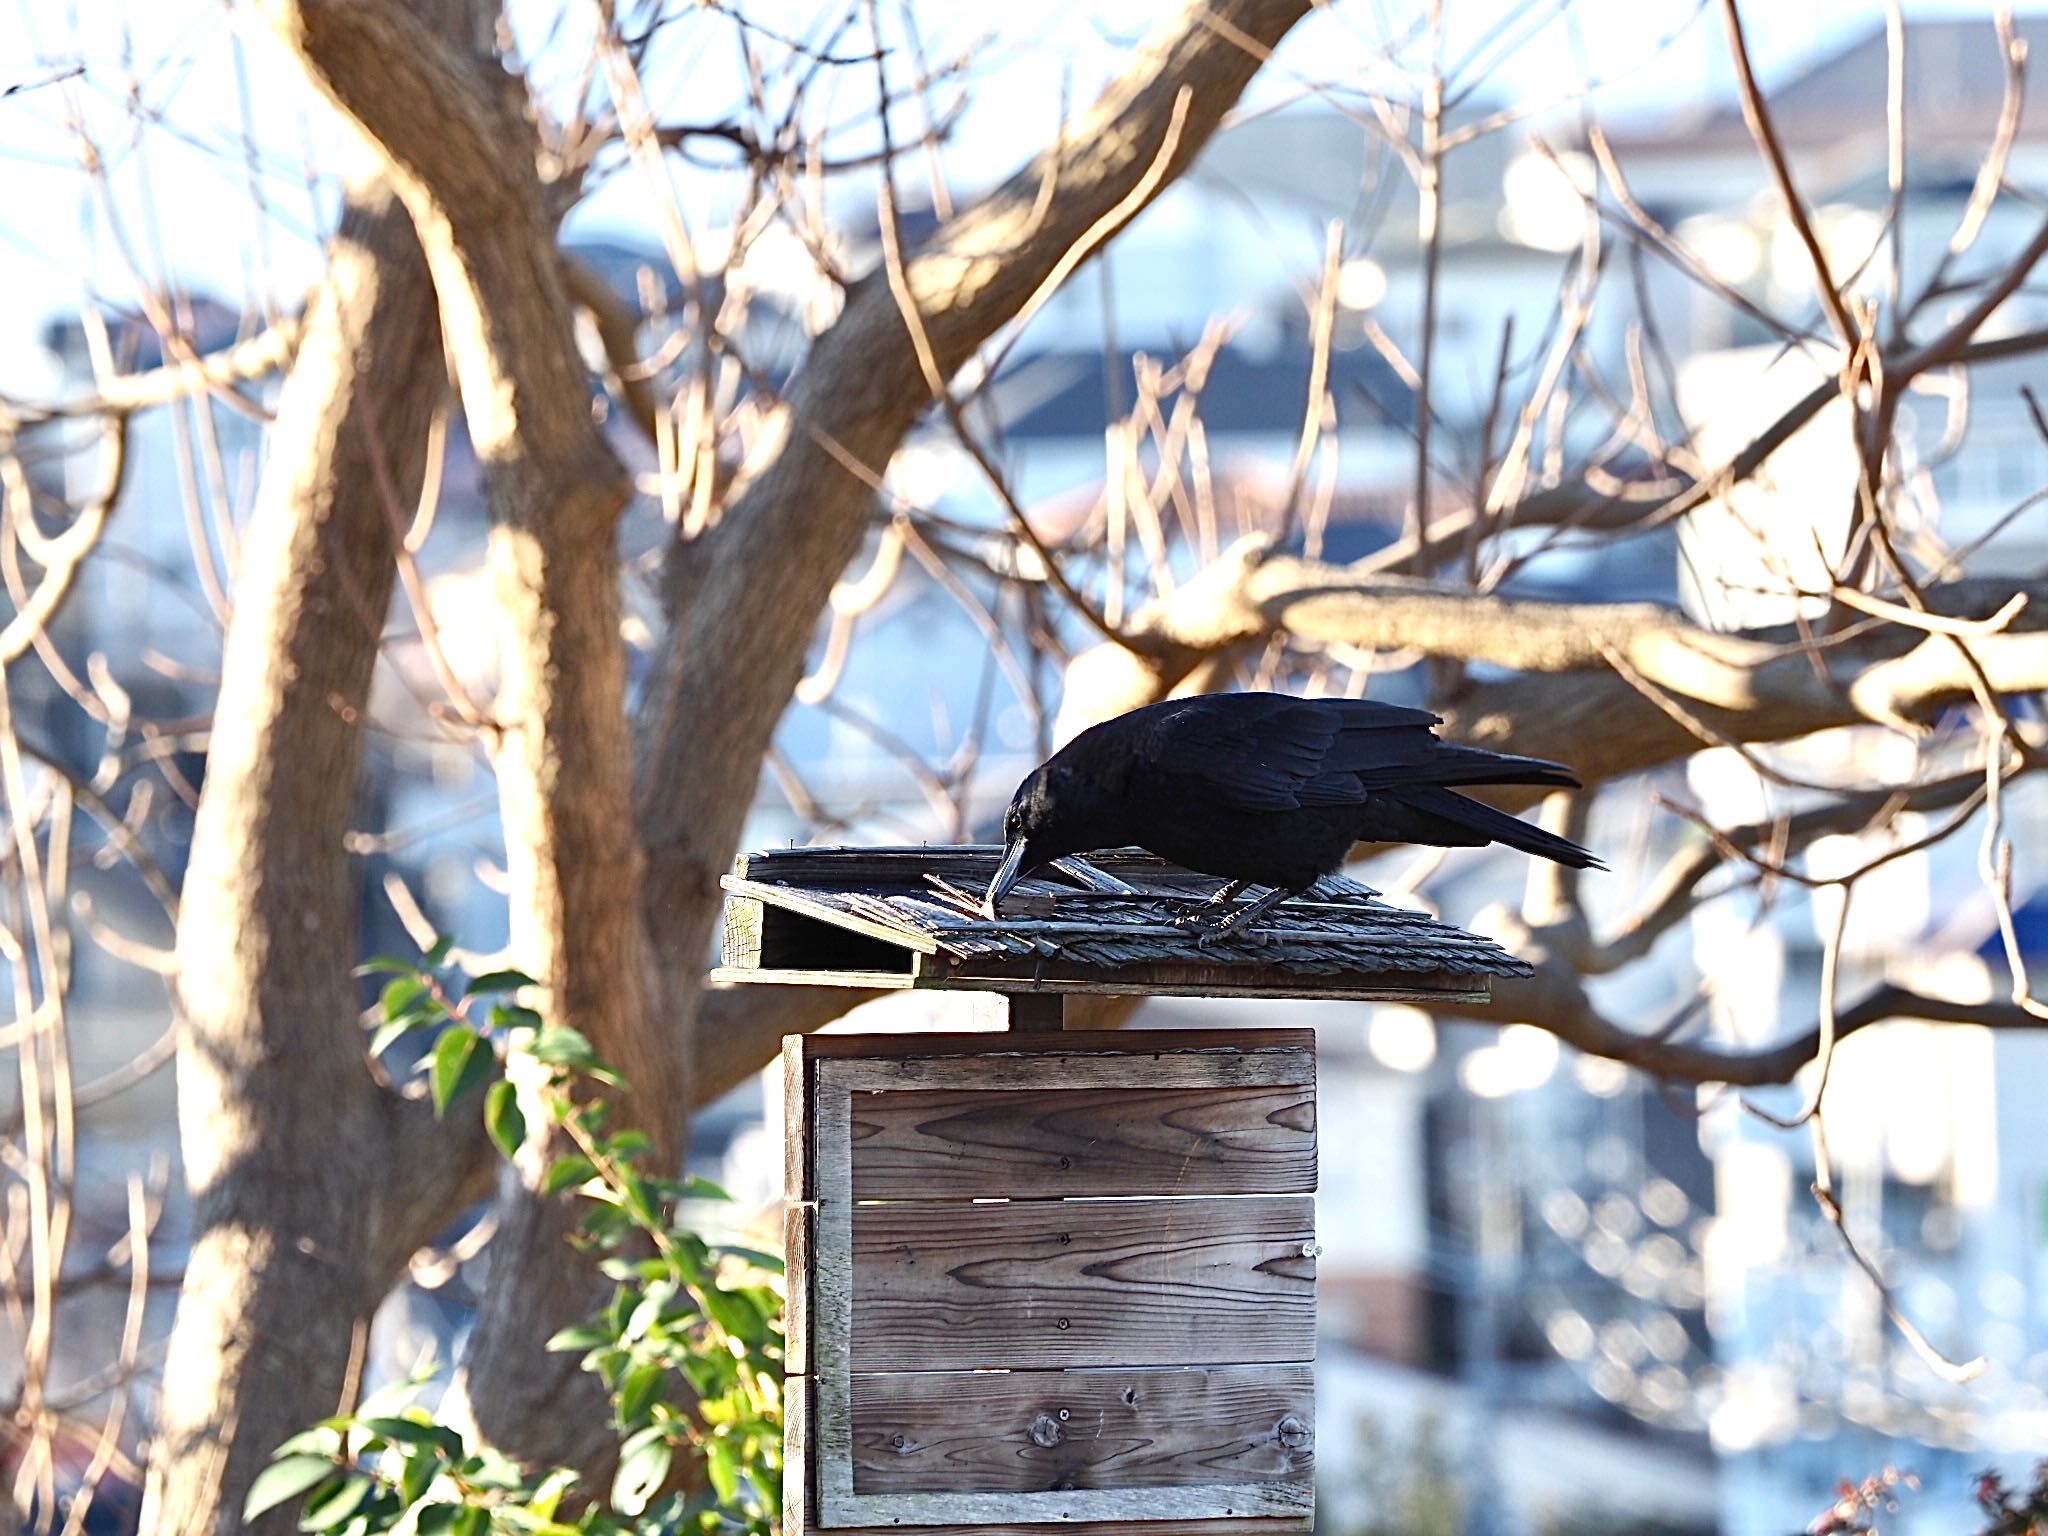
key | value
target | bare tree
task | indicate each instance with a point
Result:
(316, 1178)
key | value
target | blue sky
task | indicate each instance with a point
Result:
(203, 69)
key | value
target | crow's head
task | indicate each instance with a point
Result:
(1047, 820)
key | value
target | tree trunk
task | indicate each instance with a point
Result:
(453, 130)
(285, 1133)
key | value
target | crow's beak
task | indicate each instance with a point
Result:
(1007, 875)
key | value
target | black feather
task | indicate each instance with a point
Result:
(1271, 789)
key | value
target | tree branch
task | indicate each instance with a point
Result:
(1747, 682)
(215, 373)
(1553, 1000)
(753, 584)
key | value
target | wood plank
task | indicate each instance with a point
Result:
(796, 1456)
(796, 1120)
(978, 1511)
(1183, 978)
(831, 1294)
(859, 981)
(1137, 1525)
(997, 1067)
(1037, 1142)
(1102, 1283)
(796, 1280)
(1148, 1043)
(1050, 1431)
(799, 1193)
(819, 907)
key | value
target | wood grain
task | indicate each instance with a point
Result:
(796, 1456)
(1103, 1283)
(797, 1159)
(1297, 1046)
(1050, 1431)
(1031, 1143)
(1227, 1068)
(1182, 978)
(1144, 1284)
(798, 1190)
(831, 1265)
(1138, 1525)
(1132, 1508)
(796, 1280)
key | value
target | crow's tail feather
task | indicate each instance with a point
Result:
(1455, 764)
(1466, 823)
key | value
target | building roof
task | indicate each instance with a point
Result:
(1066, 394)
(911, 917)
(1955, 83)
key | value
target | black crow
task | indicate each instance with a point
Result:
(1266, 789)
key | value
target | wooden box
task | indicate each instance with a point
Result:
(1058, 1279)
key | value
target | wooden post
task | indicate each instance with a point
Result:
(1036, 1013)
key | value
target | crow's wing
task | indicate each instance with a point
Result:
(1272, 752)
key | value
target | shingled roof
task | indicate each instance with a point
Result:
(911, 917)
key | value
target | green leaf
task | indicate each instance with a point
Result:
(643, 1466)
(638, 1390)
(325, 1513)
(436, 1519)
(630, 1143)
(579, 1336)
(548, 1496)
(320, 1440)
(606, 1225)
(401, 994)
(503, 1119)
(404, 1024)
(701, 1189)
(416, 1476)
(537, 1524)
(492, 1469)
(567, 1172)
(284, 1479)
(438, 955)
(459, 1064)
(387, 1399)
(772, 1263)
(386, 965)
(427, 1436)
(473, 1521)
(498, 981)
(722, 1462)
(639, 1199)
(560, 1046)
(511, 1016)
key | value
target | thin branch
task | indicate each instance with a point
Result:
(1756, 113)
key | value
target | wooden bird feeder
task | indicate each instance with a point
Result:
(1040, 1277)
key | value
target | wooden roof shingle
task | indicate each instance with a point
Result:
(1117, 922)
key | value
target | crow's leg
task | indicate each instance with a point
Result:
(1201, 914)
(1246, 915)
